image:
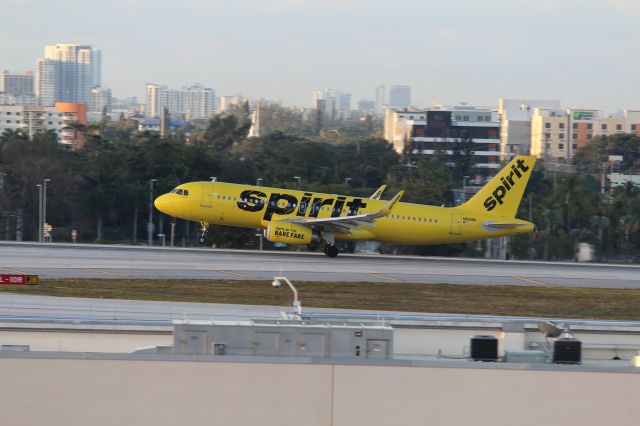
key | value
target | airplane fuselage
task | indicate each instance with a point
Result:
(255, 206)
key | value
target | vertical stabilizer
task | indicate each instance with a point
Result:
(502, 195)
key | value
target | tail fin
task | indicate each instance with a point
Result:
(502, 195)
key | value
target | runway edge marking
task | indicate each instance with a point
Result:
(381, 276)
(529, 280)
(240, 274)
(105, 272)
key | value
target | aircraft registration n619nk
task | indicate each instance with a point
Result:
(299, 217)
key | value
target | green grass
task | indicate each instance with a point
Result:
(593, 303)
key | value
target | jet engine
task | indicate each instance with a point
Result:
(290, 233)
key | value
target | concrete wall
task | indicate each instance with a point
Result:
(69, 341)
(107, 392)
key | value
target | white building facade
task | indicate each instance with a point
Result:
(100, 100)
(441, 129)
(35, 118)
(191, 102)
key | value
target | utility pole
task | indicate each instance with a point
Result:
(150, 223)
(44, 206)
(39, 212)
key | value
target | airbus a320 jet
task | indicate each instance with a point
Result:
(300, 217)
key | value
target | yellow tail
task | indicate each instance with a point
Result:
(502, 195)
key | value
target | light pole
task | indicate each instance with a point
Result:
(277, 283)
(347, 181)
(259, 234)
(150, 224)
(299, 179)
(44, 206)
(39, 212)
(464, 188)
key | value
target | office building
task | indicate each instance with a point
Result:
(17, 84)
(190, 102)
(67, 73)
(367, 106)
(399, 97)
(556, 134)
(515, 124)
(439, 131)
(335, 103)
(100, 100)
(381, 99)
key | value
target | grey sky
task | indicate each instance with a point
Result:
(582, 52)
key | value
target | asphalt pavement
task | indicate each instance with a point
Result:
(53, 260)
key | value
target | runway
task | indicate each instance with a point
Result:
(55, 260)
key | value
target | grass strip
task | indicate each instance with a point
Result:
(562, 302)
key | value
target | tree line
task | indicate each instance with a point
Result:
(101, 189)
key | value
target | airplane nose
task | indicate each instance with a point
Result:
(164, 204)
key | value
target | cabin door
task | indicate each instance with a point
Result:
(456, 224)
(207, 194)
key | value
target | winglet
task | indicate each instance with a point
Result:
(376, 195)
(387, 208)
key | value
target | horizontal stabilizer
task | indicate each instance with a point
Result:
(499, 225)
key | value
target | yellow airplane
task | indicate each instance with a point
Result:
(299, 217)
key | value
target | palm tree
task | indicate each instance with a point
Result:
(10, 135)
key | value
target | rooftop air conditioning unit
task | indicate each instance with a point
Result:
(484, 348)
(567, 350)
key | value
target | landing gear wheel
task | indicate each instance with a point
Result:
(202, 239)
(331, 251)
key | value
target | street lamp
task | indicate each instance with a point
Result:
(39, 212)
(259, 181)
(464, 188)
(299, 179)
(150, 224)
(347, 181)
(44, 206)
(277, 283)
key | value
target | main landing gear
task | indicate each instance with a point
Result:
(205, 230)
(330, 250)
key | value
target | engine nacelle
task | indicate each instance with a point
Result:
(290, 233)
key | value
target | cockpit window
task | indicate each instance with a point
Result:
(183, 192)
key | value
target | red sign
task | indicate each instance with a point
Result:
(18, 279)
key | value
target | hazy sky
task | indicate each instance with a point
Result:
(582, 52)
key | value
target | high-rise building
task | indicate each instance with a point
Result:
(198, 102)
(100, 100)
(381, 98)
(191, 102)
(17, 84)
(400, 97)
(67, 73)
(366, 106)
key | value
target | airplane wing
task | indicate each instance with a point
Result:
(376, 195)
(346, 224)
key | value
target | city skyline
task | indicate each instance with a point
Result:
(286, 49)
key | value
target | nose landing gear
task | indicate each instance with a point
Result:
(205, 230)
